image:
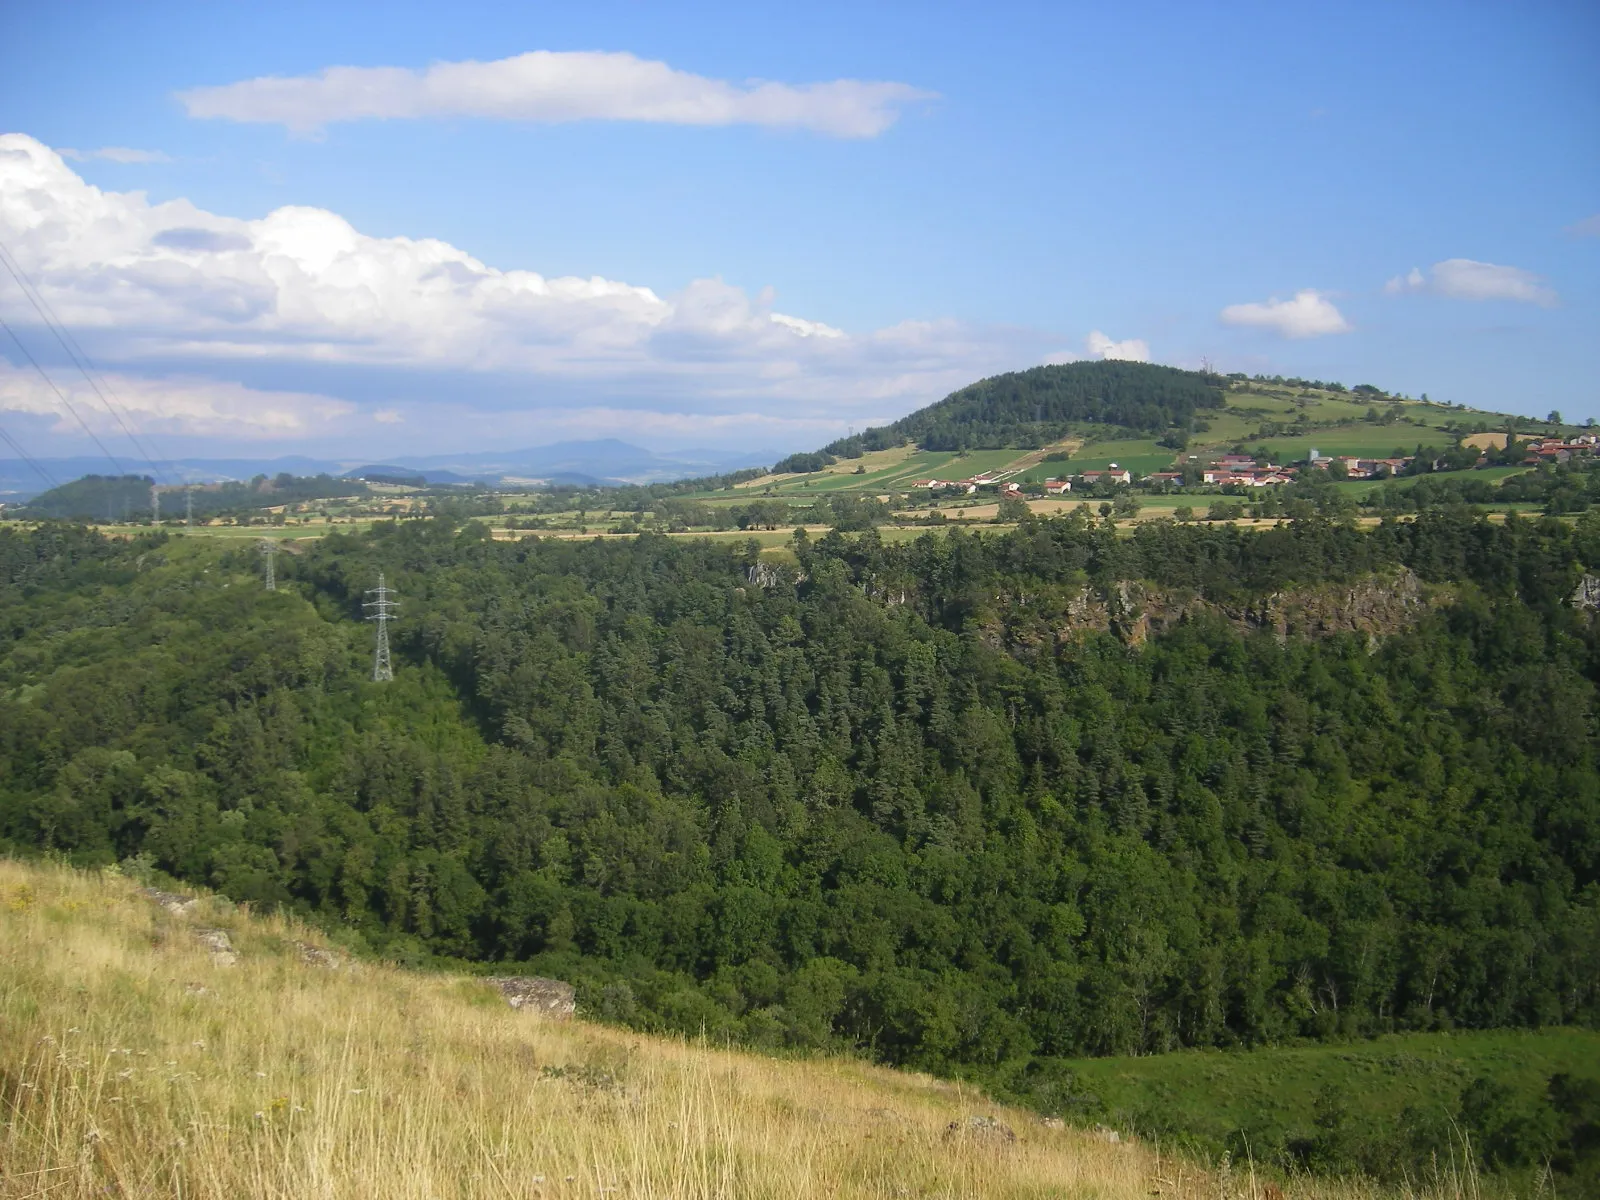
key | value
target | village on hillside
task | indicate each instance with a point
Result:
(1240, 470)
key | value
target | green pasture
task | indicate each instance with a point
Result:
(921, 465)
(312, 529)
(1139, 455)
(1367, 441)
(924, 464)
(1208, 1097)
(1050, 470)
(1247, 410)
(962, 466)
(1363, 487)
(1228, 426)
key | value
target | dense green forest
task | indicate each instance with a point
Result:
(872, 796)
(1039, 405)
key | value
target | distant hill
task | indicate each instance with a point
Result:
(582, 463)
(113, 498)
(586, 463)
(380, 473)
(1024, 409)
(1025, 426)
(96, 498)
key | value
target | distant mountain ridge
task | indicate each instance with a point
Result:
(603, 460)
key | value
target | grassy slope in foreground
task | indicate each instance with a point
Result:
(131, 1064)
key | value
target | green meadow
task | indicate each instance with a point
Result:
(1262, 1101)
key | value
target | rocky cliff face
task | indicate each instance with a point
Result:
(1375, 607)
(1586, 596)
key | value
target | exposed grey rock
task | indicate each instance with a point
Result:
(173, 902)
(764, 575)
(1107, 1134)
(988, 1130)
(549, 997)
(316, 956)
(220, 945)
(1052, 1122)
(1375, 606)
(1587, 594)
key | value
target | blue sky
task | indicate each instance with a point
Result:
(1407, 195)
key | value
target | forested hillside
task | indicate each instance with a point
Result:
(875, 796)
(1032, 407)
(911, 799)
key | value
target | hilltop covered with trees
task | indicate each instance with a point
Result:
(1030, 408)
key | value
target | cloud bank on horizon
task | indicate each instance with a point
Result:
(185, 306)
(554, 86)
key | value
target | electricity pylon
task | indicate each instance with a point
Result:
(155, 505)
(382, 612)
(269, 551)
(188, 507)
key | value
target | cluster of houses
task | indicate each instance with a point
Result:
(1363, 468)
(1556, 450)
(1242, 470)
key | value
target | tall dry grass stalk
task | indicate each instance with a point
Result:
(131, 1064)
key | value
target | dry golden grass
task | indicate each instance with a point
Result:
(133, 1065)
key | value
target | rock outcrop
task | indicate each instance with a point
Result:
(316, 956)
(550, 998)
(220, 944)
(1586, 596)
(173, 902)
(1375, 607)
(988, 1130)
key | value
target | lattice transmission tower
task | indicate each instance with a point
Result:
(383, 609)
(269, 551)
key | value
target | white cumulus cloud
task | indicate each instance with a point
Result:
(555, 86)
(116, 154)
(1308, 314)
(1588, 227)
(301, 302)
(1466, 279)
(1132, 349)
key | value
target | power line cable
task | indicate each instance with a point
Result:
(48, 478)
(60, 395)
(75, 352)
(81, 360)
